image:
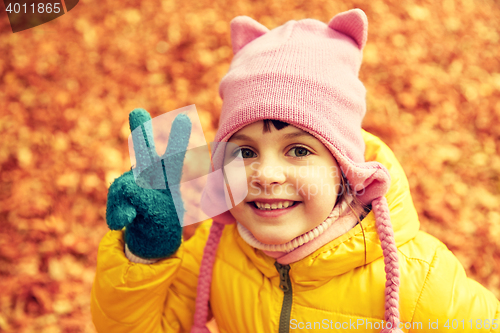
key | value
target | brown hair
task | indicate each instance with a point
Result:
(276, 123)
(346, 188)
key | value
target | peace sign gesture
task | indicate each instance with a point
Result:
(146, 205)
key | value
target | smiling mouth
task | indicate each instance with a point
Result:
(269, 209)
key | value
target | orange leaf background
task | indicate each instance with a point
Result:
(432, 73)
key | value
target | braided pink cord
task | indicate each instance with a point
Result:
(205, 279)
(386, 236)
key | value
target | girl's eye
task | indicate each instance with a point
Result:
(245, 153)
(301, 151)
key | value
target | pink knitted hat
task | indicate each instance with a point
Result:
(304, 73)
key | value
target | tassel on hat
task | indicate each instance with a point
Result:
(304, 73)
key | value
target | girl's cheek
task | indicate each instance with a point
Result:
(253, 190)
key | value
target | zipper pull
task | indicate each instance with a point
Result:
(284, 278)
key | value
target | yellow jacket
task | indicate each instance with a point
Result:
(332, 289)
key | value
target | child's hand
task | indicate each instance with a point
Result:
(153, 227)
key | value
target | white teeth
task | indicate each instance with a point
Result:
(280, 205)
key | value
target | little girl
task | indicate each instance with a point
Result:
(327, 237)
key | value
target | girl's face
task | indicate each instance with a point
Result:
(283, 167)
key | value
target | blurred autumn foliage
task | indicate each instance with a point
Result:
(432, 73)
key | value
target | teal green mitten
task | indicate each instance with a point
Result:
(153, 219)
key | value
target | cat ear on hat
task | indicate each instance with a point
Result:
(352, 23)
(244, 30)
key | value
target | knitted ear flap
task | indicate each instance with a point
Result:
(244, 30)
(352, 23)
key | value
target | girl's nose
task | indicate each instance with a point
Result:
(267, 173)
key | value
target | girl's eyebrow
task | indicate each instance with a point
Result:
(286, 136)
